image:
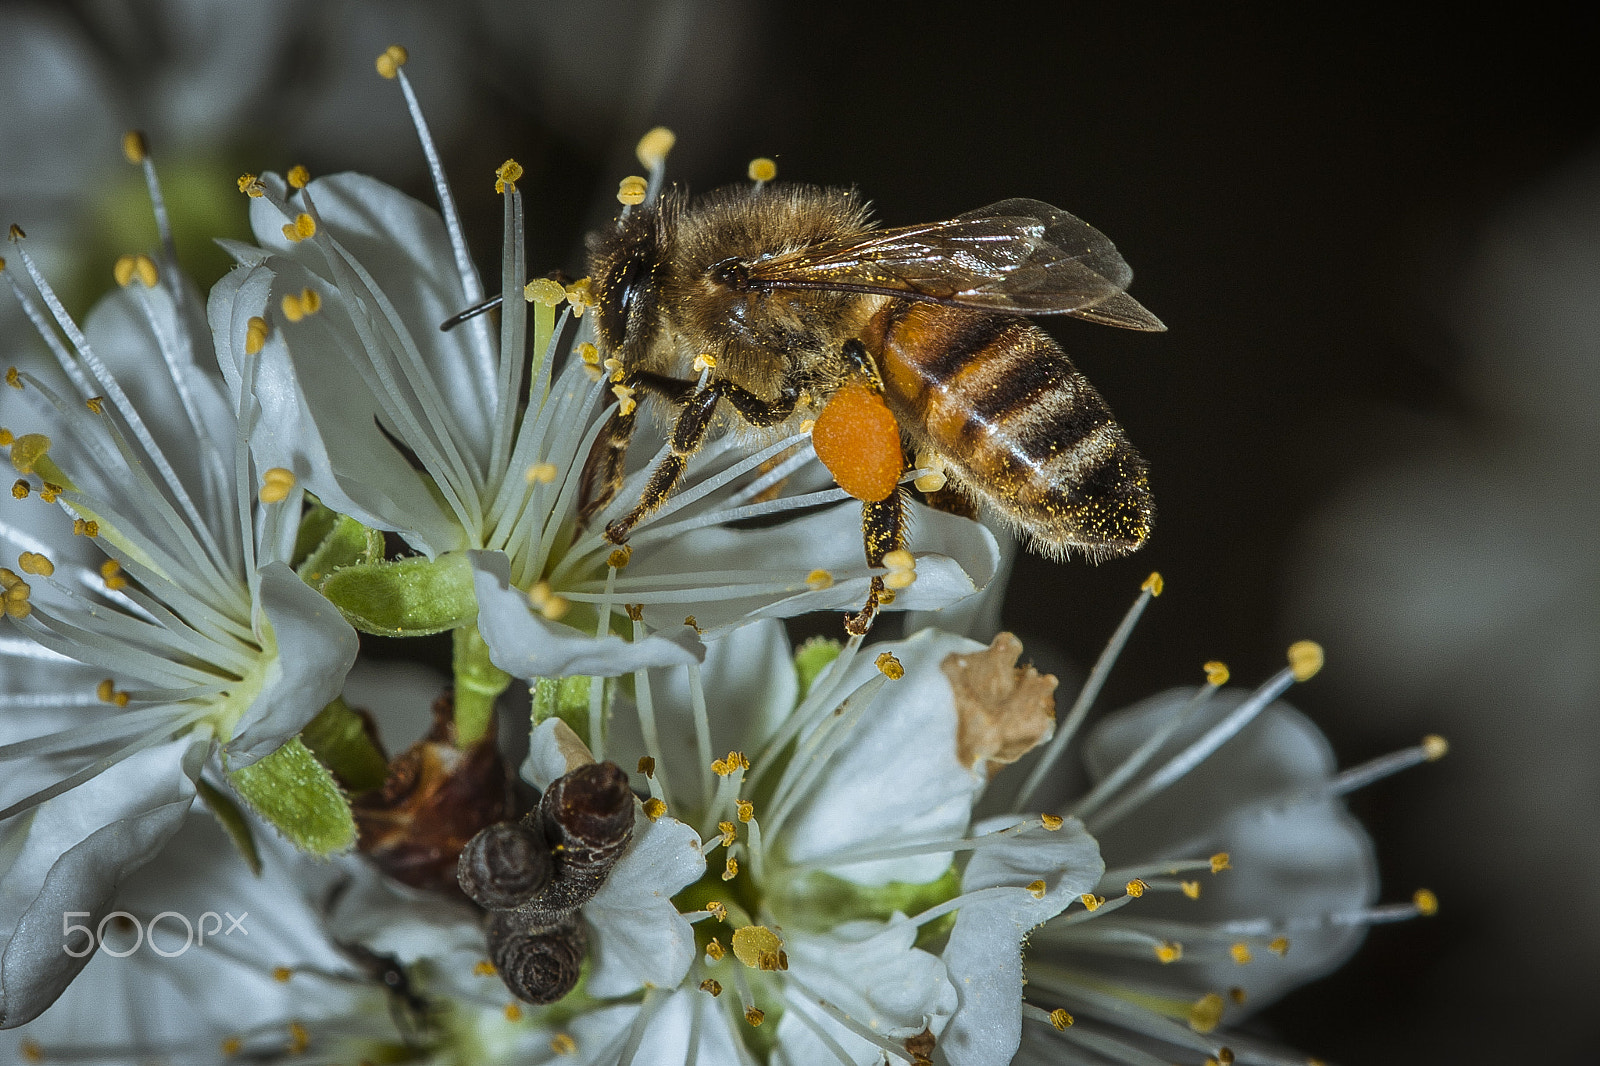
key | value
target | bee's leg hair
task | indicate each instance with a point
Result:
(605, 467)
(883, 530)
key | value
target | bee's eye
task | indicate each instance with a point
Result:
(625, 292)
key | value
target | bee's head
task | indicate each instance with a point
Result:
(625, 266)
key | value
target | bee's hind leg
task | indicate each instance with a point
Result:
(883, 530)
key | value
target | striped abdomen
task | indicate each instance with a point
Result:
(1017, 423)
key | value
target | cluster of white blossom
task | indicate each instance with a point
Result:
(215, 494)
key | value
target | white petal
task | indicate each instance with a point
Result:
(898, 778)
(984, 954)
(69, 856)
(638, 938)
(316, 647)
(600, 1034)
(525, 644)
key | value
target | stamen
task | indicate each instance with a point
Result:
(631, 191)
(298, 177)
(1431, 749)
(276, 484)
(890, 667)
(393, 58)
(762, 170)
(506, 177)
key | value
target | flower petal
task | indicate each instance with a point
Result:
(639, 938)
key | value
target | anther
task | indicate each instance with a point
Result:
(729, 832)
(730, 869)
(735, 762)
(654, 808)
(1052, 822)
(1305, 659)
(711, 985)
(281, 974)
(6, 437)
(754, 1016)
(1136, 887)
(626, 404)
(1238, 995)
(550, 604)
(105, 691)
(1279, 946)
(619, 557)
(298, 177)
(251, 186)
(1037, 889)
(653, 147)
(20, 489)
(13, 378)
(647, 766)
(718, 910)
(545, 291)
(563, 1044)
(715, 951)
(631, 190)
(1091, 902)
(35, 563)
(483, 968)
(513, 1012)
(703, 362)
(589, 354)
(817, 580)
(762, 169)
(302, 228)
(393, 58)
(1168, 952)
(542, 473)
(231, 1046)
(1435, 747)
(757, 947)
(1219, 862)
(17, 234)
(745, 810)
(134, 147)
(506, 176)
(1216, 673)
(276, 484)
(1241, 953)
(1155, 584)
(96, 404)
(82, 527)
(634, 611)
(1426, 902)
(1190, 888)
(256, 333)
(889, 666)
(1205, 1013)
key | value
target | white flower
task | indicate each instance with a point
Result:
(204, 642)
(437, 435)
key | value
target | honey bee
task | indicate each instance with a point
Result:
(787, 303)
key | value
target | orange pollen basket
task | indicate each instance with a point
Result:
(858, 440)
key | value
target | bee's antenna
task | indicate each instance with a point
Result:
(470, 313)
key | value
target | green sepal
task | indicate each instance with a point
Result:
(233, 822)
(300, 798)
(339, 739)
(405, 598)
(567, 698)
(328, 540)
(813, 657)
(821, 900)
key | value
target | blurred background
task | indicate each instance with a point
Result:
(1375, 237)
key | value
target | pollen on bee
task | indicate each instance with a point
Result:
(653, 147)
(762, 169)
(393, 58)
(631, 190)
(857, 438)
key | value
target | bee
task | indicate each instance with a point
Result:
(787, 302)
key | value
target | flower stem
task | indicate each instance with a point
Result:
(478, 683)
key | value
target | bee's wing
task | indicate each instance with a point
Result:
(1015, 256)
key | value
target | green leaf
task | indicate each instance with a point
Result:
(233, 822)
(327, 541)
(300, 798)
(812, 658)
(339, 739)
(405, 598)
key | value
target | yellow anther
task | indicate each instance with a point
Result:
(1238, 995)
(619, 557)
(654, 808)
(647, 766)
(689, 621)
(1052, 822)
(15, 597)
(513, 1012)
(1225, 1056)
(562, 1044)
(762, 169)
(251, 186)
(1037, 889)
(484, 968)
(711, 985)
(703, 362)
(134, 147)
(276, 484)
(653, 147)
(35, 563)
(1435, 747)
(542, 473)
(900, 579)
(886, 597)
(232, 1046)
(730, 869)
(1190, 888)
(31, 1050)
(714, 950)
(311, 300)
(744, 810)
(1205, 1013)
(17, 234)
(85, 527)
(544, 291)
(631, 190)
(1305, 659)
(20, 489)
(293, 309)
(757, 947)
(97, 404)
(1135, 888)
(614, 368)
(303, 227)
(1216, 673)
(818, 580)
(589, 354)
(1219, 862)
(1061, 1019)
(1279, 946)
(729, 831)
(256, 332)
(1154, 584)
(1426, 902)
(900, 559)
(393, 58)
(735, 762)
(280, 974)
(1168, 951)
(299, 1039)
(298, 177)
(718, 911)
(104, 692)
(1091, 902)
(580, 294)
(506, 176)
(1241, 953)
(13, 378)
(889, 666)
(635, 611)
(6, 439)
(626, 404)
(550, 604)
(122, 270)
(754, 1016)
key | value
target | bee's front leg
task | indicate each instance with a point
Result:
(688, 433)
(606, 465)
(883, 530)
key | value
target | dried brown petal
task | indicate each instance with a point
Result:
(505, 866)
(539, 964)
(588, 821)
(1003, 712)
